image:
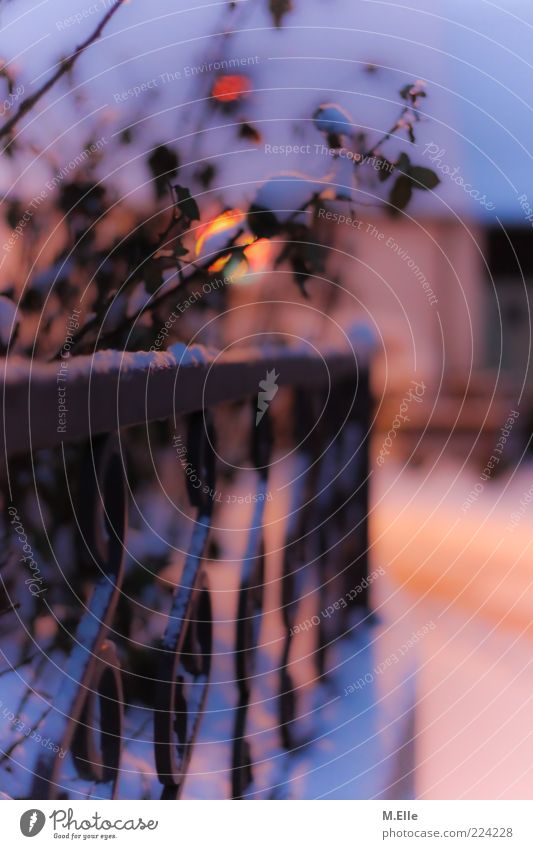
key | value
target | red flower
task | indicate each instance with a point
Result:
(231, 87)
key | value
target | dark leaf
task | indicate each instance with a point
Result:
(306, 259)
(206, 175)
(14, 213)
(278, 10)
(334, 141)
(262, 222)
(424, 178)
(401, 193)
(126, 136)
(248, 132)
(186, 203)
(404, 164)
(163, 164)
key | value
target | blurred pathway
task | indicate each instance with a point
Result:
(470, 575)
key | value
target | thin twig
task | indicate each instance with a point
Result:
(65, 66)
(388, 135)
(10, 608)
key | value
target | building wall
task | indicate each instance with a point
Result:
(422, 285)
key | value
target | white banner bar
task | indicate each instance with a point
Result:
(264, 825)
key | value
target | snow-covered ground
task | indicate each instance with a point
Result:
(472, 576)
(351, 742)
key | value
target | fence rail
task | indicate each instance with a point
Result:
(326, 537)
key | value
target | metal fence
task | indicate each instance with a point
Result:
(328, 419)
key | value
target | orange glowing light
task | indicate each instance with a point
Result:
(259, 254)
(231, 87)
(256, 258)
(219, 233)
(219, 263)
(223, 223)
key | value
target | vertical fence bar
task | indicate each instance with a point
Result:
(326, 553)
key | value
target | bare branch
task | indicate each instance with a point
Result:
(64, 67)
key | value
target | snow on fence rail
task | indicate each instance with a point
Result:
(113, 389)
